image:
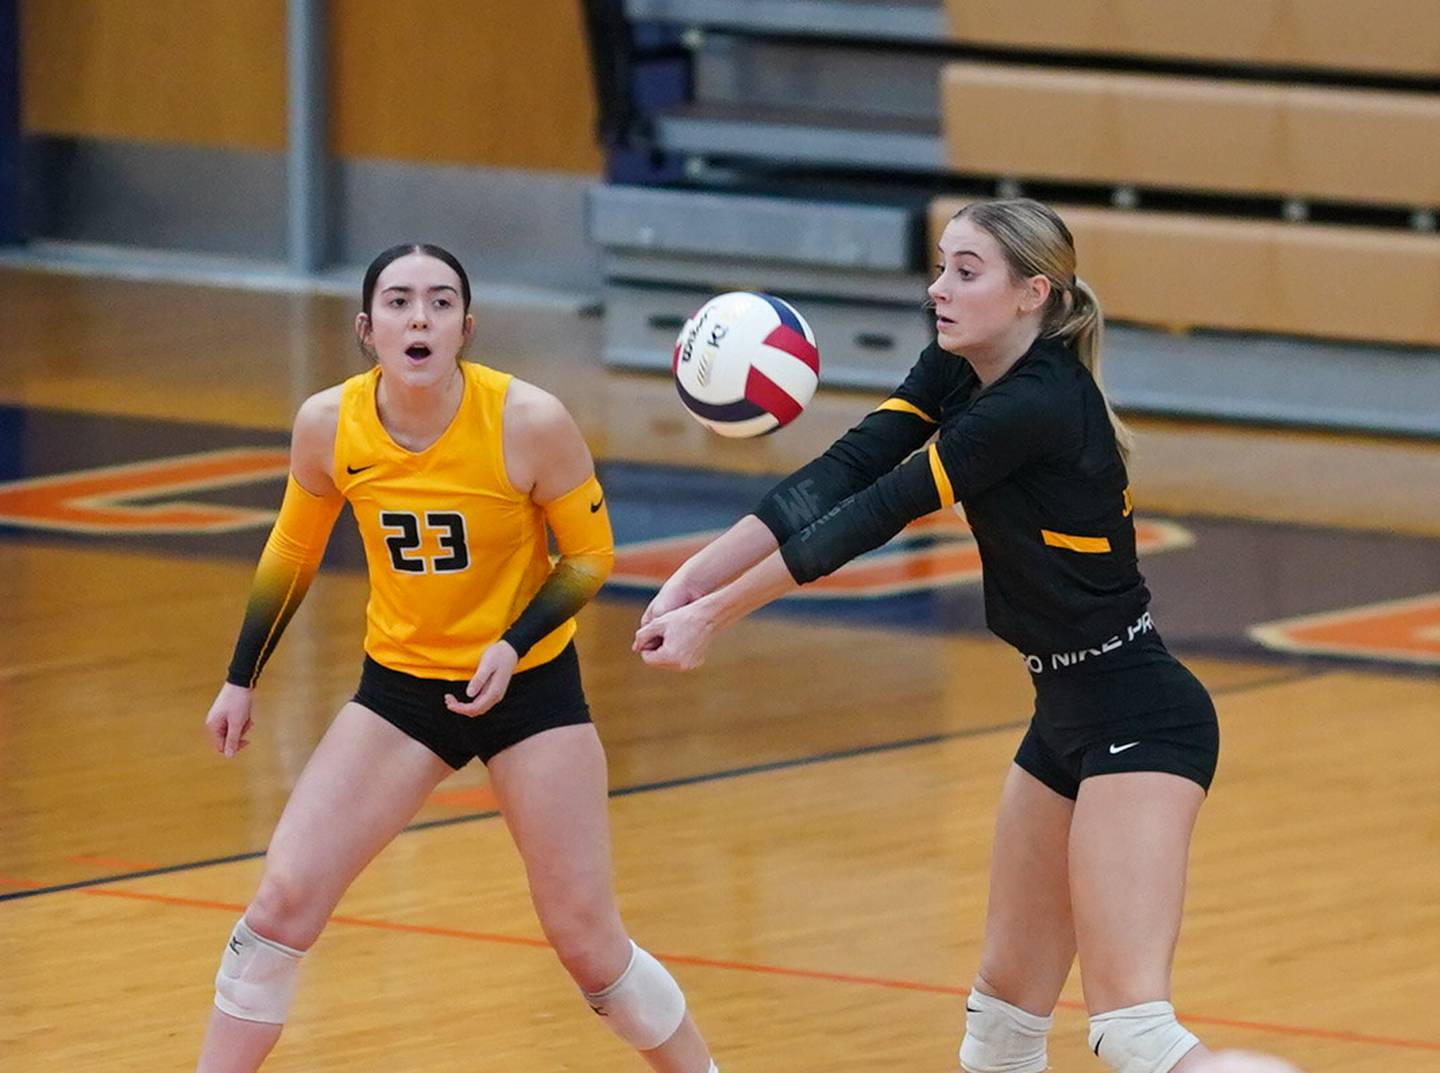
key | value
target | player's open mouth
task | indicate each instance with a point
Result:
(943, 322)
(417, 351)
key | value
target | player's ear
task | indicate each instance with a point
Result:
(1037, 293)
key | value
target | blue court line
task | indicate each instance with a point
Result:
(643, 788)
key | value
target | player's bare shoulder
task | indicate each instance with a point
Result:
(543, 443)
(312, 443)
(530, 409)
(535, 421)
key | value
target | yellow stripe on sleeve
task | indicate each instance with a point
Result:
(942, 479)
(900, 406)
(1088, 545)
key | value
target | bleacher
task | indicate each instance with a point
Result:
(1253, 186)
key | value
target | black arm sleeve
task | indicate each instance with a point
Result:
(581, 524)
(999, 433)
(287, 566)
(852, 462)
(857, 459)
(570, 586)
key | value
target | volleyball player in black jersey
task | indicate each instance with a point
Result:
(1096, 814)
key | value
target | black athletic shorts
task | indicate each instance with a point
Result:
(538, 699)
(1135, 708)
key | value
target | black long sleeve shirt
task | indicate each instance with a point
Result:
(1032, 458)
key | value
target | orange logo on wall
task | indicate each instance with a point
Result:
(1406, 630)
(930, 552)
(101, 500)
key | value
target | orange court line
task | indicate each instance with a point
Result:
(1339, 1036)
(140, 475)
(162, 899)
(94, 499)
(444, 933)
(356, 922)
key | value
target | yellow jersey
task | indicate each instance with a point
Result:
(454, 552)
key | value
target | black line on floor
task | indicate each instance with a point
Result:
(623, 791)
(1291, 675)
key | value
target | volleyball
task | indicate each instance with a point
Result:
(746, 364)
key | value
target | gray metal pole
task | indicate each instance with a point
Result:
(306, 161)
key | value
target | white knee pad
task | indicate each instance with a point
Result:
(1140, 1039)
(1001, 1038)
(257, 977)
(645, 1006)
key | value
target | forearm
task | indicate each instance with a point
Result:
(275, 595)
(853, 462)
(763, 583)
(729, 555)
(573, 583)
(859, 524)
(864, 521)
(581, 524)
(287, 566)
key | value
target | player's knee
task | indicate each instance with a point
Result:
(257, 977)
(582, 937)
(285, 909)
(1002, 1038)
(1140, 1039)
(279, 897)
(644, 1006)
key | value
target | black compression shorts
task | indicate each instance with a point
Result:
(538, 699)
(1137, 708)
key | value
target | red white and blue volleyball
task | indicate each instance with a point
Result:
(746, 364)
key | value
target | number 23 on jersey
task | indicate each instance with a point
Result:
(406, 533)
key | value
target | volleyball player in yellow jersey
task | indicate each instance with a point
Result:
(454, 472)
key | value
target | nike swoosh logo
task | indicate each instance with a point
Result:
(352, 470)
(597, 504)
(1121, 748)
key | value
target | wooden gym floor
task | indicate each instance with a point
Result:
(801, 828)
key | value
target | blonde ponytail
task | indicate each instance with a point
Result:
(1084, 330)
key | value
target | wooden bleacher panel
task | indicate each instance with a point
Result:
(211, 73)
(1398, 37)
(506, 85)
(1185, 271)
(1348, 145)
(181, 72)
(1224, 110)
